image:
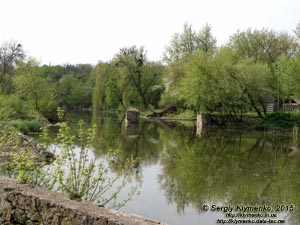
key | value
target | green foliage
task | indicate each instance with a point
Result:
(53, 73)
(25, 167)
(26, 126)
(112, 92)
(11, 106)
(187, 114)
(183, 44)
(287, 72)
(232, 167)
(34, 89)
(74, 84)
(73, 92)
(255, 68)
(255, 80)
(103, 74)
(129, 80)
(137, 76)
(220, 83)
(279, 120)
(262, 45)
(74, 171)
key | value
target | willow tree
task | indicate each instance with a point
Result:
(101, 75)
(138, 78)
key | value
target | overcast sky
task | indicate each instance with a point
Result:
(87, 31)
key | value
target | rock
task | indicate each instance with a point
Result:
(5, 212)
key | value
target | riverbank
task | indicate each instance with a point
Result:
(276, 120)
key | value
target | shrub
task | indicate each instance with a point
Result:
(279, 120)
(26, 126)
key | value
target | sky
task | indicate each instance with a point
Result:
(89, 31)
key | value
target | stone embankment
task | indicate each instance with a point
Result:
(24, 204)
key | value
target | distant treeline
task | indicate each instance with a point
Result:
(254, 68)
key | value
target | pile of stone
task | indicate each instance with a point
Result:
(13, 144)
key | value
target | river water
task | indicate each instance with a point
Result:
(187, 179)
(182, 172)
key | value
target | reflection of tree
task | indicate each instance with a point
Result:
(227, 167)
(144, 148)
(221, 166)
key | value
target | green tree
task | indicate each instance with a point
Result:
(101, 74)
(113, 95)
(220, 82)
(34, 89)
(182, 44)
(72, 92)
(208, 85)
(206, 40)
(137, 77)
(199, 83)
(255, 79)
(262, 45)
(176, 55)
(287, 70)
(53, 73)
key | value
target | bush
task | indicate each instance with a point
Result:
(27, 126)
(279, 120)
(11, 107)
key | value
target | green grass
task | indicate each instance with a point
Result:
(187, 114)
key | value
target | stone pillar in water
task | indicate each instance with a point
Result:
(132, 122)
(199, 125)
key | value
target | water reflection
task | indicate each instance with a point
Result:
(143, 146)
(229, 167)
(221, 166)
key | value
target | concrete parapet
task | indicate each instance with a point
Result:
(24, 204)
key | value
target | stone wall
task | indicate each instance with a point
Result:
(24, 204)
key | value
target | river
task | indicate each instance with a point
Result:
(185, 179)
